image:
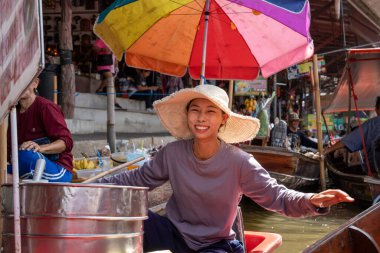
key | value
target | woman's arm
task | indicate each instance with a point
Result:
(55, 147)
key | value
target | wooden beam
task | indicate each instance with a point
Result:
(327, 41)
(321, 10)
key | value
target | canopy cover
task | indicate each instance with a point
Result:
(244, 36)
(364, 65)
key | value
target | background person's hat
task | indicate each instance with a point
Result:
(173, 114)
(293, 116)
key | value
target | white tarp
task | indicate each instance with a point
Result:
(21, 57)
(365, 70)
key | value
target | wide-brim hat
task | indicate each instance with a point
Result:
(172, 112)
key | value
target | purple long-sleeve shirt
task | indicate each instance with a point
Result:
(206, 193)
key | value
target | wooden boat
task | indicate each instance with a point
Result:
(359, 234)
(353, 180)
(292, 169)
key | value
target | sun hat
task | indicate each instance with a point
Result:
(293, 116)
(172, 113)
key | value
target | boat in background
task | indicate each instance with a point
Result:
(292, 169)
(359, 234)
(353, 180)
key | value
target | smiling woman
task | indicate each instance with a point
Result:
(208, 176)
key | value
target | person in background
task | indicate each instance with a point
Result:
(42, 134)
(294, 131)
(353, 140)
(105, 62)
(209, 176)
(145, 88)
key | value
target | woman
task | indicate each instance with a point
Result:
(42, 134)
(209, 176)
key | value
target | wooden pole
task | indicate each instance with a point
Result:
(3, 165)
(105, 173)
(230, 93)
(3, 150)
(275, 98)
(319, 123)
(55, 88)
(67, 68)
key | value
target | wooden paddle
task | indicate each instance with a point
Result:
(121, 166)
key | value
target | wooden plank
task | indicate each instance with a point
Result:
(362, 241)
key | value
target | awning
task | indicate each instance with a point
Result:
(364, 65)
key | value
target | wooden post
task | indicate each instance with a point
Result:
(275, 98)
(3, 164)
(55, 88)
(230, 93)
(67, 68)
(319, 123)
(3, 150)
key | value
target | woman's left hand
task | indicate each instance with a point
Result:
(28, 145)
(330, 197)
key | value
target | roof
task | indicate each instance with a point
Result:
(362, 68)
(359, 25)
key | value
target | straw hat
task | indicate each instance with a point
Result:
(173, 114)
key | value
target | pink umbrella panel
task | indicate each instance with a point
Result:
(243, 37)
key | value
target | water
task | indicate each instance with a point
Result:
(297, 233)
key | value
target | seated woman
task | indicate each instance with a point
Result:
(42, 134)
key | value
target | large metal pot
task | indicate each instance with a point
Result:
(64, 217)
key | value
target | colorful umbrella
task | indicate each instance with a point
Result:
(240, 37)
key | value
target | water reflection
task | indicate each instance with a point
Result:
(297, 233)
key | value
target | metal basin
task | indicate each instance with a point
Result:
(64, 217)
(74, 244)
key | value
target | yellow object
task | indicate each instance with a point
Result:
(132, 167)
(84, 164)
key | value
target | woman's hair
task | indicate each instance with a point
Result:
(377, 103)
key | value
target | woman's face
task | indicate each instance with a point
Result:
(205, 118)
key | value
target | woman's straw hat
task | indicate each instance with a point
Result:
(173, 114)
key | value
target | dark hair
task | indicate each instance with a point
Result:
(377, 103)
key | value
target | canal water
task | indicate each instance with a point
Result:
(297, 233)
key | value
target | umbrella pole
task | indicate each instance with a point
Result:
(319, 125)
(230, 92)
(16, 194)
(203, 69)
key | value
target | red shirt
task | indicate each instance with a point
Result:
(44, 119)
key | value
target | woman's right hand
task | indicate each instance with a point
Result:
(30, 145)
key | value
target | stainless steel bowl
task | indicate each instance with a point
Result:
(64, 217)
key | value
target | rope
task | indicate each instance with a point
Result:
(359, 121)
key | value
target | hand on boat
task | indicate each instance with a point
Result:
(330, 197)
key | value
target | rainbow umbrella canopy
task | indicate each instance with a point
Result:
(232, 39)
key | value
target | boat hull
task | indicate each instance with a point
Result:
(359, 234)
(291, 169)
(361, 187)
